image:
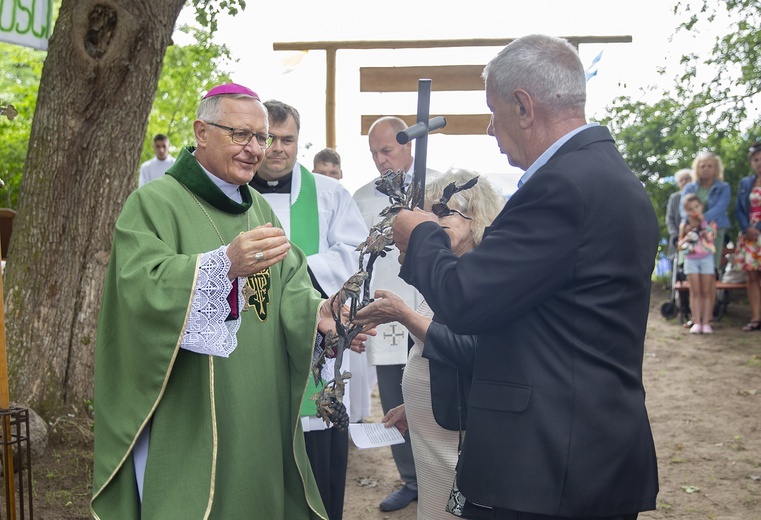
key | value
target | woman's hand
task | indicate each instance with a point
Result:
(387, 308)
(751, 233)
(396, 417)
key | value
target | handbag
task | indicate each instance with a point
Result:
(458, 504)
(733, 273)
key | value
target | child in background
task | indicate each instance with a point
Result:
(696, 238)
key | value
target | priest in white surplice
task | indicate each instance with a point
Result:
(321, 218)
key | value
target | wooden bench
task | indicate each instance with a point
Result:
(684, 286)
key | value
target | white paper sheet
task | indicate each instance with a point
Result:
(374, 435)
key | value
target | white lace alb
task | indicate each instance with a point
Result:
(208, 332)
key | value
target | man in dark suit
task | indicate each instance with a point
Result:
(558, 295)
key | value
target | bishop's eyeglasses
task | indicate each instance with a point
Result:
(243, 137)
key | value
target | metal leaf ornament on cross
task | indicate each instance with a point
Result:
(330, 406)
(350, 292)
(356, 291)
(440, 209)
(400, 196)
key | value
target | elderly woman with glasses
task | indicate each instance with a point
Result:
(435, 395)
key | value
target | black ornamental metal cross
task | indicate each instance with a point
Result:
(419, 131)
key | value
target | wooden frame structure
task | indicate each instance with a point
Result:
(404, 79)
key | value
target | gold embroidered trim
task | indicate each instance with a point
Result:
(298, 422)
(214, 439)
(256, 293)
(158, 398)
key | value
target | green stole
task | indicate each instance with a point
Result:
(305, 219)
(305, 233)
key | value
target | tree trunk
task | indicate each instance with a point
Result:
(95, 95)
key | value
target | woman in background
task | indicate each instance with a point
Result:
(748, 254)
(709, 186)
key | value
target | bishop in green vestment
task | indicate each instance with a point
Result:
(212, 393)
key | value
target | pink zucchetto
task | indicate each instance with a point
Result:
(231, 88)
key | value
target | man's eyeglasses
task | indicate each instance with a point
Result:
(243, 137)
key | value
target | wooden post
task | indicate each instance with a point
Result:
(5, 402)
(330, 98)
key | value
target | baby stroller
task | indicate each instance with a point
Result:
(676, 303)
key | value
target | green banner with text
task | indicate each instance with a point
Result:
(26, 22)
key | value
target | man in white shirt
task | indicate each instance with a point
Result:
(320, 217)
(156, 167)
(388, 349)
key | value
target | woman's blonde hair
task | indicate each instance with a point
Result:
(706, 156)
(482, 203)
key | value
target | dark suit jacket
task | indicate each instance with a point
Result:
(558, 294)
(450, 365)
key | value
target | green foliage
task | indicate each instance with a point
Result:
(720, 114)
(188, 72)
(208, 10)
(734, 60)
(20, 69)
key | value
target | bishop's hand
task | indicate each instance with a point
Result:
(257, 249)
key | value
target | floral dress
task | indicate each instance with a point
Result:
(748, 256)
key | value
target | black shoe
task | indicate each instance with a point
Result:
(399, 499)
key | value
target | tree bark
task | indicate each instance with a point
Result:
(95, 95)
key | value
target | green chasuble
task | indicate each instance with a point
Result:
(225, 439)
